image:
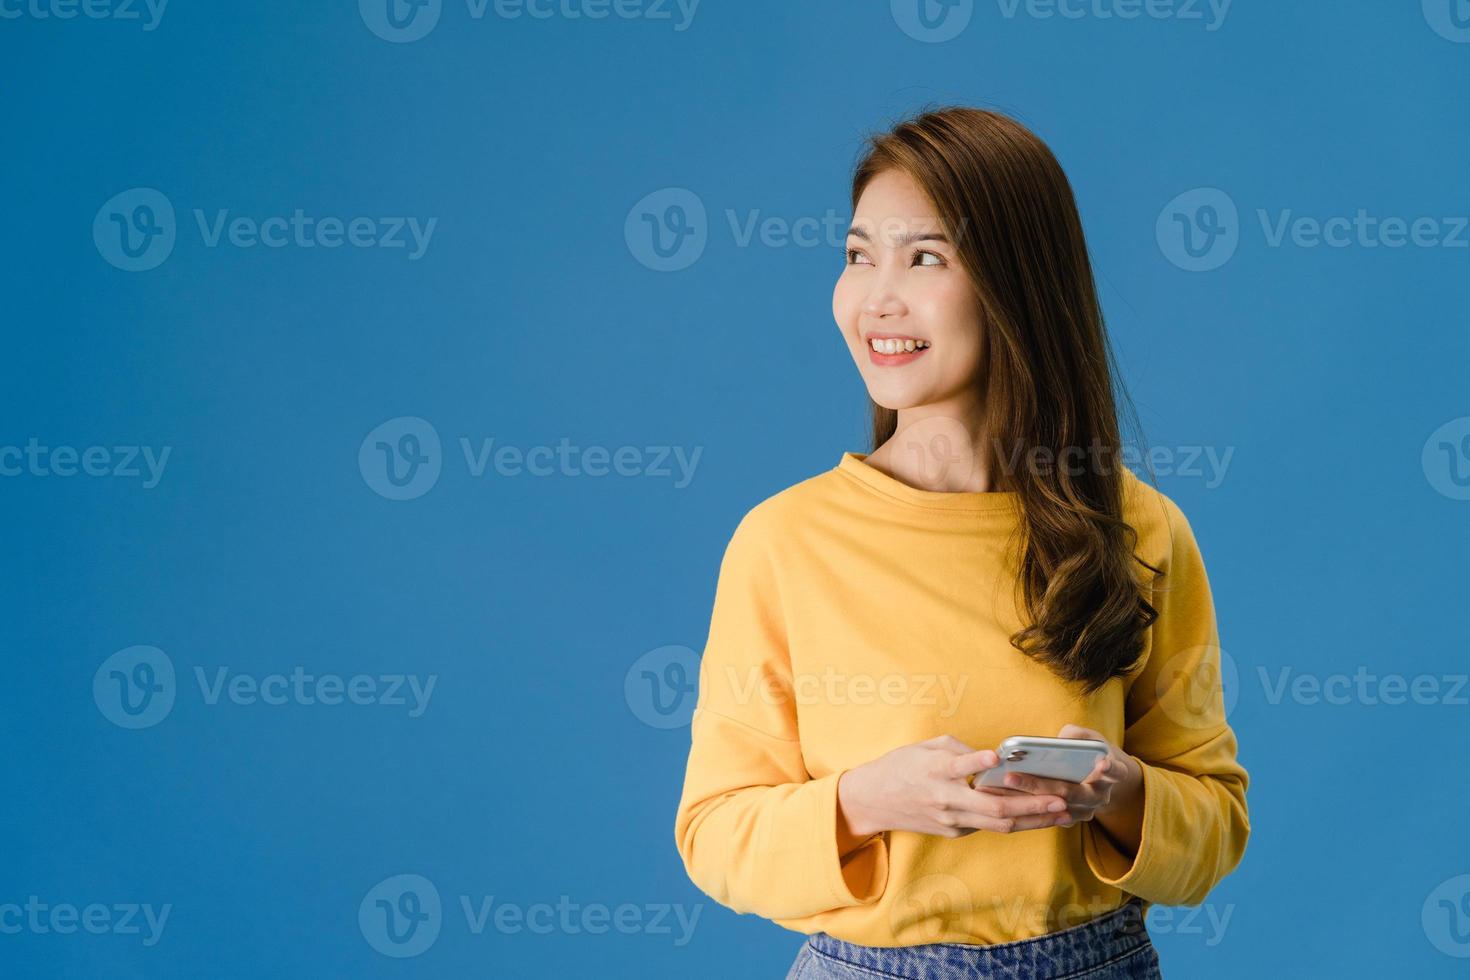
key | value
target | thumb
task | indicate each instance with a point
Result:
(970, 763)
(1077, 731)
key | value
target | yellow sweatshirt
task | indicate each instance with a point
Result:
(855, 614)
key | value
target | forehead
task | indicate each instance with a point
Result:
(893, 204)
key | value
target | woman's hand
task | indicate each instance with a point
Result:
(1115, 785)
(923, 787)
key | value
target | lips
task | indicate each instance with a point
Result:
(893, 349)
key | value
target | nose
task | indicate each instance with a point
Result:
(882, 300)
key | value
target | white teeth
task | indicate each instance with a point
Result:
(892, 345)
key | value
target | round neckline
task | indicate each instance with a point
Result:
(855, 466)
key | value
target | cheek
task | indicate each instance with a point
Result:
(845, 302)
(952, 307)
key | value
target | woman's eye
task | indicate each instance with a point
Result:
(853, 255)
(938, 259)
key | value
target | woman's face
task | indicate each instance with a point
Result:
(903, 284)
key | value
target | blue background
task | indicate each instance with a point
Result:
(534, 773)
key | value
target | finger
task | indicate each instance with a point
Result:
(1105, 773)
(1076, 814)
(947, 742)
(1076, 794)
(967, 820)
(1003, 807)
(1051, 787)
(1013, 825)
(970, 763)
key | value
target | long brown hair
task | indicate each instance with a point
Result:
(1047, 378)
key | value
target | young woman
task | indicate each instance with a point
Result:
(991, 568)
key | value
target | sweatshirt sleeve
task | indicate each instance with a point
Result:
(1195, 822)
(756, 831)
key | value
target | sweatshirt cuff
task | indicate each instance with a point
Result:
(860, 876)
(1147, 873)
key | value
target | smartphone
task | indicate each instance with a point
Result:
(1071, 759)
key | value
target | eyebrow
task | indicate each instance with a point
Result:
(914, 236)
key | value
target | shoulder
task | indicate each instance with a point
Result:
(1163, 529)
(783, 515)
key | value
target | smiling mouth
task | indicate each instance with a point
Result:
(896, 345)
(892, 350)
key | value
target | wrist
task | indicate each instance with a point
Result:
(852, 825)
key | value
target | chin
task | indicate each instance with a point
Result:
(898, 400)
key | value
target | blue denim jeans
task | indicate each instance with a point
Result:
(1115, 946)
